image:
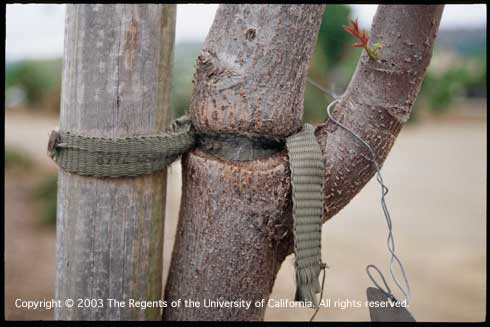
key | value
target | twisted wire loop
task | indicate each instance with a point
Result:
(394, 260)
(118, 157)
(307, 169)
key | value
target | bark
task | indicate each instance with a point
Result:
(116, 83)
(231, 212)
(251, 72)
(378, 100)
(235, 220)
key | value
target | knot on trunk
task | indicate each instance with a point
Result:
(207, 63)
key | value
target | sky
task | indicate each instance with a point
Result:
(37, 30)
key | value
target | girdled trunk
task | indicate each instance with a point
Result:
(250, 79)
(235, 219)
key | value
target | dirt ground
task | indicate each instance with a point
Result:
(30, 250)
(436, 174)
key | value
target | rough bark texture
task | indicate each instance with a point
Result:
(250, 75)
(378, 99)
(222, 246)
(116, 83)
(235, 219)
(232, 212)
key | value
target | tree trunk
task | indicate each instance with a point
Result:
(250, 80)
(235, 219)
(116, 83)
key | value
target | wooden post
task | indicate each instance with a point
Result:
(116, 83)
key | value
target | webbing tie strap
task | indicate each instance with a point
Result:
(307, 169)
(118, 157)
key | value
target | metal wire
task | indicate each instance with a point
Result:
(390, 241)
(323, 267)
(321, 88)
(384, 191)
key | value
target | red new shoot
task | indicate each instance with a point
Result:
(372, 51)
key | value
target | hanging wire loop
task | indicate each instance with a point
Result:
(390, 240)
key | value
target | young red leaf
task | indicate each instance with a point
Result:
(362, 37)
(354, 24)
(349, 29)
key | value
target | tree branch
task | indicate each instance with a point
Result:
(378, 100)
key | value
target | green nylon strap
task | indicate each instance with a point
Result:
(118, 157)
(307, 169)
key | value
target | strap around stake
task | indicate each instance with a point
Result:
(118, 157)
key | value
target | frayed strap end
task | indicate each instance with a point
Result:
(307, 292)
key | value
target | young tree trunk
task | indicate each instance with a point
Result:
(116, 83)
(249, 79)
(235, 220)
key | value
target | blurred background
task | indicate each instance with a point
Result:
(436, 171)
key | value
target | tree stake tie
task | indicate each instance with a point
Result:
(141, 155)
(307, 169)
(389, 313)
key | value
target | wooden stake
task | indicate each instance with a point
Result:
(116, 82)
